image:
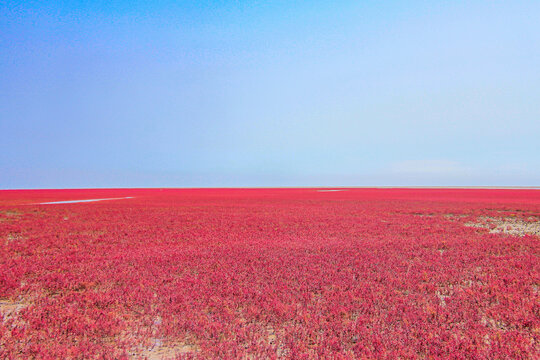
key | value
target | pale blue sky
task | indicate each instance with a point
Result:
(269, 93)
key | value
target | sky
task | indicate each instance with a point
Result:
(269, 93)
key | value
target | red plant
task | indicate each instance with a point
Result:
(268, 273)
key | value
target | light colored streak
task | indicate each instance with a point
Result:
(82, 201)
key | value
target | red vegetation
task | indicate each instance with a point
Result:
(268, 273)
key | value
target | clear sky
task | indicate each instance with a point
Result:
(269, 93)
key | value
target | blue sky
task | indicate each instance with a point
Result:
(269, 93)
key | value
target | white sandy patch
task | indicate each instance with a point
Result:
(82, 201)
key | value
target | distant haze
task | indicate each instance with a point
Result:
(269, 93)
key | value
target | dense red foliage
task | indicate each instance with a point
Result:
(268, 273)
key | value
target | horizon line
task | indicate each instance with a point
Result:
(487, 187)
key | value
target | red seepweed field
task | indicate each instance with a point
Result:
(270, 273)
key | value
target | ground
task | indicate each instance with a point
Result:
(270, 273)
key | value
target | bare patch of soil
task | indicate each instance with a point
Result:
(13, 237)
(507, 225)
(9, 215)
(166, 350)
(419, 214)
(455, 216)
(157, 347)
(9, 309)
(92, 233)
